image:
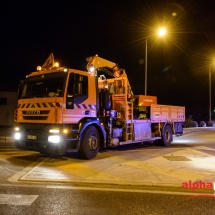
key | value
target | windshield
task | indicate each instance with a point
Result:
(48, 85)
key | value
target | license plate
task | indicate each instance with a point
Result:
(31, 137)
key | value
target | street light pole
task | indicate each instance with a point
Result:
(146, 68)
(209, 93)
(161, 32)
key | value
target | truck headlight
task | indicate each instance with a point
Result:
(54, 131)
(54, 138)
(17, 136)
(16, 128)
(91, 69)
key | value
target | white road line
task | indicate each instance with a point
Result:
(13, 199)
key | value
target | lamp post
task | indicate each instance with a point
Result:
(146, 53)
(209, 93)
(161, 33)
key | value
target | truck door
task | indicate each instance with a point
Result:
(77, 93)
(77, 90)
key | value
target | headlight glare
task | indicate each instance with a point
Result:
(17, 136)
(16, 129)
(54, 138)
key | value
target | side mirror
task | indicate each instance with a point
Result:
(70, 102)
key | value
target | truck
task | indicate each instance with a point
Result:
(63, 110)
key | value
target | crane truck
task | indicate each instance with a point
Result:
(64, 110)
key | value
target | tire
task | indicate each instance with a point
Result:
(90, 142)
(166, 136)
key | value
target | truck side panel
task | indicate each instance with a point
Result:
(142, 131)
(167, 113)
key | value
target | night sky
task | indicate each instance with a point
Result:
(116, 30)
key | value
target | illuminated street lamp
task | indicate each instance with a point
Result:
(161, 33)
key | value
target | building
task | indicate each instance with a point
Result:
(8, 104)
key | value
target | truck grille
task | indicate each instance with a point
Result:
(35, 114)
(35, 117)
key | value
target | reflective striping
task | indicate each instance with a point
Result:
(12, 199)
(40, 105)
(92, 106)
(85, 106)
(53, 104)
(180, 117)
(28, 105)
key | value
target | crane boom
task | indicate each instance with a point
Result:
(96, 63)
(106, 66)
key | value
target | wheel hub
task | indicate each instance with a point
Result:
(93, 143)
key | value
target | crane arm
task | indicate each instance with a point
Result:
(97, 63)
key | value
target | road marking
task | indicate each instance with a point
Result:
(12, 199)
(125, 190)
(107, 189)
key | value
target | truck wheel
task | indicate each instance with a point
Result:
(89, 143)
(166, 136)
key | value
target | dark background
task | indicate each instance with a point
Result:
(116, 30)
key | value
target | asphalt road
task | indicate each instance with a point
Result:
(55, 197)
(47, 199)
